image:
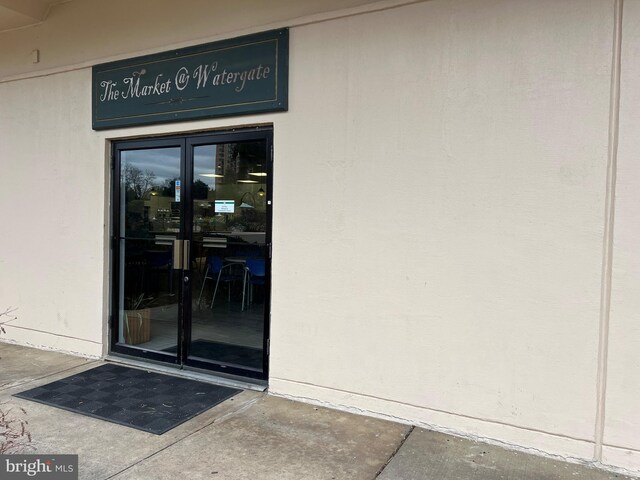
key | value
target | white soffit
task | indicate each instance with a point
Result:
(23, 13)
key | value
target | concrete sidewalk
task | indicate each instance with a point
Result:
(256, 436)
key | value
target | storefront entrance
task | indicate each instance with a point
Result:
(191, 250)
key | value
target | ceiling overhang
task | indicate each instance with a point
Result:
(23, 13)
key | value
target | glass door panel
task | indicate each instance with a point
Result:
(191, 259)
(229, 231)
(149, 225)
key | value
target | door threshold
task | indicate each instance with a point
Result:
(215, 378)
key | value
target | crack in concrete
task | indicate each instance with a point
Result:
(394, 453)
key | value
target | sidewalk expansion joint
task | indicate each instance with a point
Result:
(394, 453)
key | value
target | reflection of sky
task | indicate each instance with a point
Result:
(204, 161)
(165, 163)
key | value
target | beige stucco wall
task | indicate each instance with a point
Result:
(622, 427)
(52, 191)
(457, 217)
(439, 199)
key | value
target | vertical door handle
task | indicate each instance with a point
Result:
(177, 254)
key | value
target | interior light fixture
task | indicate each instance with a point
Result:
(247, 181)
(261, 192)
(211, 175)
(258, 174)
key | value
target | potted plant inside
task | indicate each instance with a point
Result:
(137, 319)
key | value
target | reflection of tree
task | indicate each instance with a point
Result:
(138, 182)
(168, 188)
(200, 190)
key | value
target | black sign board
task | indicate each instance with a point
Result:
(238, 76)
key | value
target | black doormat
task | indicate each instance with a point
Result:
(135, 398)
(225, 353)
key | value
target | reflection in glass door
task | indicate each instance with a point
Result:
(191, 269)
(230, 238)
(150, 224)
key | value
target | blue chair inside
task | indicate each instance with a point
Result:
(256, 268)
(246, 251)
(255, 271)
(220, 273)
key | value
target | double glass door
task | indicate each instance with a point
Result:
(191, 251)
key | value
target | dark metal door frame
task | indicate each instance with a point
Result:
(186, 143)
